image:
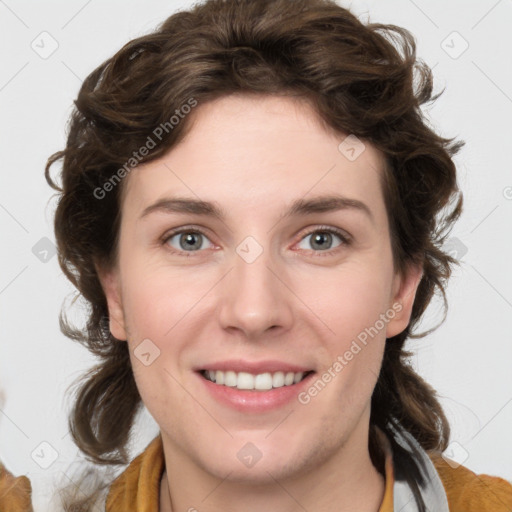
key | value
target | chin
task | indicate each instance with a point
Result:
(262, 473)
(258, 462)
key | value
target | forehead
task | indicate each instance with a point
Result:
(259, 151)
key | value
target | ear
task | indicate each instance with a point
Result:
(403, 295)
(110, 282)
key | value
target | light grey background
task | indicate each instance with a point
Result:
(468, 359)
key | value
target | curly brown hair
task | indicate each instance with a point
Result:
(362, 79)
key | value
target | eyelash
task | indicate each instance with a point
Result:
(345, 239)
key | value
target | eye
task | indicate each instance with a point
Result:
(321, 239)
(186, 239)
(191, 240)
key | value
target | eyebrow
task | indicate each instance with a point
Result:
(299, 207)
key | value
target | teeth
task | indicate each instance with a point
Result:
(278, 380)
(262, 381)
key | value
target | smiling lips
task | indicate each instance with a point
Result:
(254, 387)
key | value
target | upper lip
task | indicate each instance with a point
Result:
(254, 367)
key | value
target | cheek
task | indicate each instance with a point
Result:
(350, 303)
(157, 300)
(349, 300)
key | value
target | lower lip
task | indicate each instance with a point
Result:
(254, 400)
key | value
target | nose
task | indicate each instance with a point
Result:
(256, 298)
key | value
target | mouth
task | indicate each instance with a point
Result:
(254, 382)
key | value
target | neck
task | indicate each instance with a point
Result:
(345, 482)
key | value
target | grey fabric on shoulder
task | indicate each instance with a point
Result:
(432, 492)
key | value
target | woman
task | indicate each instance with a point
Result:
(254, 207)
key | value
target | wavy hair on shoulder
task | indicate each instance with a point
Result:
(362, 79)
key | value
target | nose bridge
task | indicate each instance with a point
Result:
(254, 298)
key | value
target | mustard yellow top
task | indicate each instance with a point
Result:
(15, 493)
(137, 489)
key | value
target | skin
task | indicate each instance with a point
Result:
(253, 156)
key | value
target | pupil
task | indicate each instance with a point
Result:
(321, 237)
(189, 243)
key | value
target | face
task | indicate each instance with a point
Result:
(250, 285)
